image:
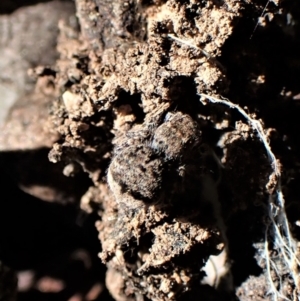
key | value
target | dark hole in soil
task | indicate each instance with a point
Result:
(134, 101)
(244, 230)
(183, 94)
(145, 242)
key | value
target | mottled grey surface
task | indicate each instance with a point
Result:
(27, 39)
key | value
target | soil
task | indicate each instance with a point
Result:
(171, 181)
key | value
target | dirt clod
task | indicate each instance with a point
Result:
(173, 177)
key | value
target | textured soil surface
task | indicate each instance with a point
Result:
(120, 180)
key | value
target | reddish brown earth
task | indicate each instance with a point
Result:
(168, 178)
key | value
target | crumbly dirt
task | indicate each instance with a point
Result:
(173, 179)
